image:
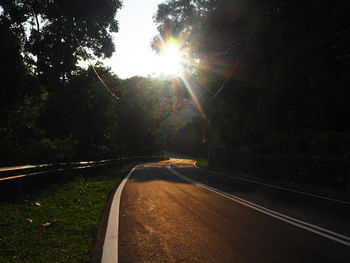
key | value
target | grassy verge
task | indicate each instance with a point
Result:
(58, 224)
(327, 192)
(203, 163)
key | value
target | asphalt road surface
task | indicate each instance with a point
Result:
(179, 213)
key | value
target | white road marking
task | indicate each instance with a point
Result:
(301, 224)
(274, 186)
(110, 245)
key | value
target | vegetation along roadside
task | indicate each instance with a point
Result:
(294, 185)
(61, 222)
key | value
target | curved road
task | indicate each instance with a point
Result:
(171, 211)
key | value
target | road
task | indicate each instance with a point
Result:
(171, 211)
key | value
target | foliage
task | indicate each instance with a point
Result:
(53, 110)
(282, 67)
(149, 103)
(189, 139)
(58, 32)
(42, 41)
(58, 224)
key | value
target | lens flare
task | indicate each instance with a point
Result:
(194, 97)
(171, 58)
(174, 60)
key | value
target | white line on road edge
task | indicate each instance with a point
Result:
(110, 245)
(307, 226)
(274, 186)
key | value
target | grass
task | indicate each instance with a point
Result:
(58, 224)
(299, 186)
(203, 163)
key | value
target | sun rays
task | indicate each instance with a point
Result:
(171, 58)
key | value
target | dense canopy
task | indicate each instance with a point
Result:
(263, 83)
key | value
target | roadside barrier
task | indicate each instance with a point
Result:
(16, 172)
(17, 181)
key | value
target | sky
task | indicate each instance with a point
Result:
(133, 55)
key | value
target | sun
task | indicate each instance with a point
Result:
(171, 59)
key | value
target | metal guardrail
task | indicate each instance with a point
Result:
(16, 172)
(32, 166)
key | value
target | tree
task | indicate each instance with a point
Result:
(42, 42)
(147, 104)
(282, 64)
(60, 30)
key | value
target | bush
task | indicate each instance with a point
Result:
(327, 171)
(52, 150)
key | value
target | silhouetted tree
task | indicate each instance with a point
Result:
(287, 93)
